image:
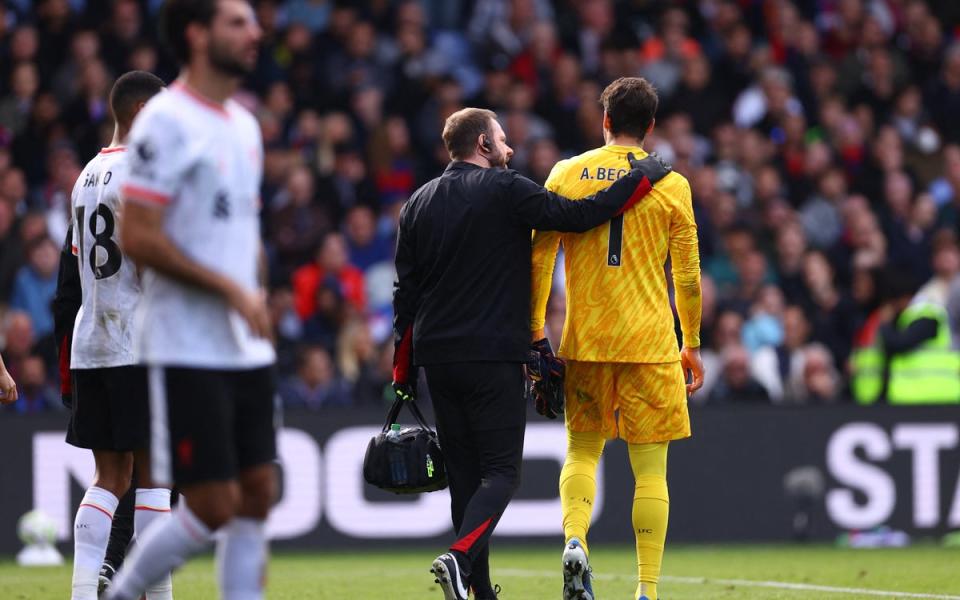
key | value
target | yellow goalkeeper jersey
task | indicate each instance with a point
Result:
(618, 308)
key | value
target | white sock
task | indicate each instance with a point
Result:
(242, 559)
(91, 532)
(153, 506)
(161, 550)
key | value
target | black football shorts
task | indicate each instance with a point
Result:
(210, 425)
(110, 409)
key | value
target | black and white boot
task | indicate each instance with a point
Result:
(452, 579)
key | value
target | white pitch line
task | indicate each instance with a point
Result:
(782, 585)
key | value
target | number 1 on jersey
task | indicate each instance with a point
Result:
(615, 245)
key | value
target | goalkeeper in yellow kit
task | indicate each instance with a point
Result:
(624, 375)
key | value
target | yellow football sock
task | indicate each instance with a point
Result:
(578, 483)
(651, 509)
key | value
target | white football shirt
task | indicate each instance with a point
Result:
(110, 286)
(202, 162)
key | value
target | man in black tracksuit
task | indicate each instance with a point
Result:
(461, 308)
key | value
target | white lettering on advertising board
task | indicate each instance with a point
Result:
(867, 494)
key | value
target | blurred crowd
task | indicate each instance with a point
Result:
(821, 139)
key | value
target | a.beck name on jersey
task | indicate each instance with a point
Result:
(603, 174)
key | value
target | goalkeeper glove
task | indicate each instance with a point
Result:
(652, 167)
(545, 373)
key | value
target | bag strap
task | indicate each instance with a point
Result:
(418, 415)
(394, 413)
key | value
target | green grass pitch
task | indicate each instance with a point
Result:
(531, 573)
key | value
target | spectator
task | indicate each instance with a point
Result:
(943, 97)
(765, 326)
(769, 103)
(738, 243)
(791, 248)
(91, 108)
(664, 54)
(534, 64)
(912, 122)
(358, 63)
(331, 265)
(416, 66)
(24, 44)
(946, 189)
(18, 342)
(392, 159)
(122, 33)
(734, 72)
(736, 385)
(11, 252)
(358, 362)
(315, 385)
(36, 283)
(299, 222)
(778, 367)
(331, 312)
(15, 108)
(367, 245)
(834, 316)
(908, 236)
(820, 382)
(348, 184)
(820, 215)
(288, 328)
(751, 272)
(559, 101)
(36, 395)
(946, 267)
(727, 332)
(596, 21)
(84, 48)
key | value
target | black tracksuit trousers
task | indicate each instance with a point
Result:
(480, 412)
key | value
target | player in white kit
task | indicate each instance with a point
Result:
(109, 411)
(192, 221)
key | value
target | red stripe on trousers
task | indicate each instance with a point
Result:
(466, 542)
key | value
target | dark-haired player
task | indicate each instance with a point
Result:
(192, 221)
(624, 375)
(109, 410)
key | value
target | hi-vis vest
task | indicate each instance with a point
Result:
(928, 374)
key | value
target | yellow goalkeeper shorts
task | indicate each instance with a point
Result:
(641, 403)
